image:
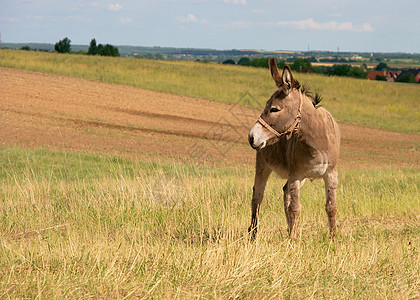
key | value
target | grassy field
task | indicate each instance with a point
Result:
(80, 225)
(379, 104)
(83, 225)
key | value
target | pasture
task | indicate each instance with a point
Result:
(102, 195)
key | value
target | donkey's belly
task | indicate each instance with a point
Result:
(317, 166)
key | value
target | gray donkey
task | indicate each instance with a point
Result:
(296, 139)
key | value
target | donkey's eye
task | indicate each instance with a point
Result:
(274, 110)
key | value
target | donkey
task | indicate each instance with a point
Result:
(296, 139)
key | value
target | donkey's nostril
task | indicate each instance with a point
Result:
(251, 140)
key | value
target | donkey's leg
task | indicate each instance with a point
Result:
(262, 172)
(287, 201)
(331, 181)
(294, 206)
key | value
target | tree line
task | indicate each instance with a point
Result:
(304, 65)
(64, 46)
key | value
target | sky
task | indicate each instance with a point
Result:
(299, 25)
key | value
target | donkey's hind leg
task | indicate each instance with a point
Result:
(331, 182)
(262, 172)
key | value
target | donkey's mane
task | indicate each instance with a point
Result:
(304, 89)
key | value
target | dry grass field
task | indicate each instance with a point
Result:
(112, 191)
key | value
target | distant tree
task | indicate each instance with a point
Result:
(357, 72)
(259, 62)
(347, 70)
(244, 61)
(93, 49)
(406, 77)
(26, 48)
(382, 67)
(63, 46)
(159, 56)
(229, 62)
(302, 65)
(108, 50)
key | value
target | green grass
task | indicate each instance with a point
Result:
(164, 229)
(393, 106)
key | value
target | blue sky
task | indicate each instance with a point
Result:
(351, 25)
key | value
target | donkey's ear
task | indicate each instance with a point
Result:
(275, 72)
(287, 78)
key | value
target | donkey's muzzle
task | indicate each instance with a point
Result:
(257, 137)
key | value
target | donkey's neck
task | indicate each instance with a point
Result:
(311, 125)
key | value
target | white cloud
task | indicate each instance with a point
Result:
(190, 18)
(365, 28)
(242, 2)
(115, 7)
(308, 24)
(332, 25)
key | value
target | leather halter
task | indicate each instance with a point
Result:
(291, 128)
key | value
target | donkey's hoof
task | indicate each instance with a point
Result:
(252, 233)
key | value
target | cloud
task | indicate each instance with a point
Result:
(308, 24)
(365, 28)
(241, 2)
(332, 25)
(190, 18)
(115, 7)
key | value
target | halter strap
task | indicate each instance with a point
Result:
(291, 128)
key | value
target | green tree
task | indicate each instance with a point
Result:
(63, 46)
(244, 61)
(259, 62)
(407, 77)
(302, 65)
(347, 70)
(229, 62)
(159, 56)
(93, 49)
(108, 50)
(382, 67)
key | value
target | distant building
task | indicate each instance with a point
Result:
(389, 75)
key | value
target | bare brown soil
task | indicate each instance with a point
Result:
(43, 110)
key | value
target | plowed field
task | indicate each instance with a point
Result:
(43, 110)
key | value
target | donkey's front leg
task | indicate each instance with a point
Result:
(331, 182)
(293, 207)
(262, 172)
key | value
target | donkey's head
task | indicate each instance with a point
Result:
(281, 114)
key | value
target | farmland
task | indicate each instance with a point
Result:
(104, 194)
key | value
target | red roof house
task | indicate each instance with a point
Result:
(389, 75)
